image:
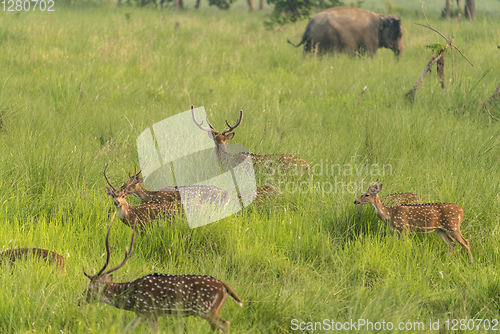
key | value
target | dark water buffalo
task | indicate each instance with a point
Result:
(350, 29)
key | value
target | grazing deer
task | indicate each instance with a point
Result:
(144, 213)
(156, 295)
(442, 218)
(286, 162)
(51, 257)
(263, 194)
(402, 198)
(208, 194)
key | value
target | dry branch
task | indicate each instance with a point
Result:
(439, 59)
(489, 113)
(413, 90)
(492, 99)
(496, 94)
(362, 94)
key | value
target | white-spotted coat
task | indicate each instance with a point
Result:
(443, 218)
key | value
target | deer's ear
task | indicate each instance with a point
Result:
(129, 191)
(229, 136)
(107, 279)
(378, 188)
(108, 191)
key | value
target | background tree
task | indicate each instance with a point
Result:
(286, 11)
(470, 9)
(251, 5)
(446, 11)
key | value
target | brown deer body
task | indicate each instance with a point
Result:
(402, 198)
(156, 295)
(284, 162)
(443, 218)
(210, 194)
(263, 194)
(144, 213)
(51, 257)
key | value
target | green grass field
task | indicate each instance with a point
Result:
(78, 85)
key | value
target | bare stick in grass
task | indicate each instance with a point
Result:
(438, 60)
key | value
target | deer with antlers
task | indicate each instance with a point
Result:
(143, 213)
(205, 194)
(442, 218)
(51, 257)
(285, 162)
(156, 295)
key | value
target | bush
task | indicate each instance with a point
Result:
(287, 11)
(222, 4)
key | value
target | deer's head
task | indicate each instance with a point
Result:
(220, 138)
(134, 183)
(370, 195)
(95, 289)
(120, 194)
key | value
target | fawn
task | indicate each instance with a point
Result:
(442, 218)
(51, 257)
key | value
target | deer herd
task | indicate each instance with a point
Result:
(155, 295)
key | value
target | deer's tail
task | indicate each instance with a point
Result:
(232, 294)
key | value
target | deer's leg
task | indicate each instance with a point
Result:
(217, 322)
(153, 323)
(223, 325)
(400, 225)
(457, 235)
(446, 238)
(212, 321)
(405, 232)
(402, 229)
(136, 321)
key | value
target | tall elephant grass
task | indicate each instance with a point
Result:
(79, 86)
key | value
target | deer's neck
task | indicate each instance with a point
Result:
(222, 150)
(224, 156)
(125, 213)
(118, 295)
(382, 211)
(143, 194)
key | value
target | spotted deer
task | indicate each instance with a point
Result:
(261, 194)
(51, 257)
(209, 194)
(284, 162)
(143, 213)
(442, 218)
(402, 198)
(156, 295)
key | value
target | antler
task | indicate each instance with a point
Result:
(127, 252)
(112, 186)
(211, 129)
(131, 178)
(108, 251)
(231, 128)
(135, 174)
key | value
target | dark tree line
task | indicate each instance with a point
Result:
(222, 4)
